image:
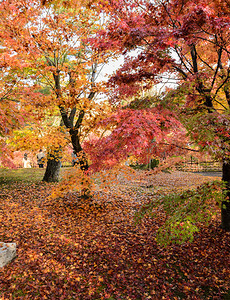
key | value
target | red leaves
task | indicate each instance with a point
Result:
(133, 132)
(64, 253)
(163, 33)
(193, 20)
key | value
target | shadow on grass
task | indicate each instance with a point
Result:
(27, 176)
(8, 176)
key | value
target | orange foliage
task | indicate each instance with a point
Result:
(67, 249)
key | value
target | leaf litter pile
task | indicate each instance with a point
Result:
(95, 250)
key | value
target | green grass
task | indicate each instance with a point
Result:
(8, 176)
(32, 175)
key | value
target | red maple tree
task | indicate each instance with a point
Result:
(187, 42)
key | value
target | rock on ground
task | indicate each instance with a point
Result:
(7, 253)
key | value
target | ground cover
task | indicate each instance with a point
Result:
(8, 176)
(96, 251)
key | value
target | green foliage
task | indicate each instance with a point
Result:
(45, 91)
(184, 212)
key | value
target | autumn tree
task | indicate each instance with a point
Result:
(140, 132)
(186, 42)
(13, 114)
(54, 41)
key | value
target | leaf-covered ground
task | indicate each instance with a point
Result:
(96, 251)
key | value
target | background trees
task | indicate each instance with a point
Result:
(13, 114)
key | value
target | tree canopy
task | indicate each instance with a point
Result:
(59, 46)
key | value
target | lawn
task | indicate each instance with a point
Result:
(69, 251)
(8, 176)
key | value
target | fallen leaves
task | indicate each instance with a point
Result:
(65, 252)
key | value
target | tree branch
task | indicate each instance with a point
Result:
(194, 58)
(217, 67)
(180, 71)
(79, 120)
(182, 61)
(64, 116)
(184, 148)
(203, 61)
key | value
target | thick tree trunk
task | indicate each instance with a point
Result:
(225, 206)
(53, 167)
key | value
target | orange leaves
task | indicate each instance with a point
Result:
(34, 137)
(74, 180)
(66, 253)
(59, 64)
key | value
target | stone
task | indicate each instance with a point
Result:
(7, 253)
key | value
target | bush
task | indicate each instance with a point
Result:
(184, 211)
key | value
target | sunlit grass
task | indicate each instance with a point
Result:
(32, 175)
(21, 175)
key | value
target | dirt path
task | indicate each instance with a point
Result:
(169, 181)
(137, 187)
(210, 174)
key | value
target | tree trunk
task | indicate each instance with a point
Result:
(82, 159)
(225, 206)
(53, 166)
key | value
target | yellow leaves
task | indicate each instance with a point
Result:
(74, 180)
(100, 279)
(220, 102)
(35, 137)
(91, 291)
